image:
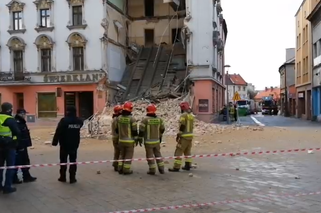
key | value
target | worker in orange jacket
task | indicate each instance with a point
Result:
(184, 139)
(151, 130)
(115, 136)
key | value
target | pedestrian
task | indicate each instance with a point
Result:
(126, 128)
(151, 129)
(22, 155)
(184, 139)
(67, 135)
(117, 112)
(9, 135)
(235, 112)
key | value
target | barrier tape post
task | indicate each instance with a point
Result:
(170, 157)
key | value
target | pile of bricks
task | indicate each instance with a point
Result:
(100, 125)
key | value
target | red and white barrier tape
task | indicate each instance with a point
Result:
(170, 157)
(247, 200)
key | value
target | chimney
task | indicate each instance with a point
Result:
(266, 89)
(271, 88)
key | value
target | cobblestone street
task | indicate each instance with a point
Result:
(263, 177)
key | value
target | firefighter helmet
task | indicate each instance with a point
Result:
(184, 106)
(117, 109)
(128, 106)
(151, 108)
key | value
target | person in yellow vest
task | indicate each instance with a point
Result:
(127, 129)
(117, 112)
(232, 111)
(9, 135)
(151, 130)
(184, 138)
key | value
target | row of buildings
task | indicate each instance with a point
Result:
(56, 53)
(300, 74)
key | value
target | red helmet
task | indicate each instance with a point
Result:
(184, 106)
(151, 108)
(128, 106)
(118, 109)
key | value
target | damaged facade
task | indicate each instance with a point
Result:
(175, 47)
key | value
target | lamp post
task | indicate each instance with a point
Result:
(227, 67)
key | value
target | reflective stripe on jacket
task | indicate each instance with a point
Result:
(187, 120)
(4, 130)
(152, 128)
(126, 125)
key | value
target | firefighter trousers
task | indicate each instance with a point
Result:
(153, 150)
(126, 150)
(116, 152)
(184, 146)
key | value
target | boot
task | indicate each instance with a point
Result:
(161, 171)
(27, 178)
(16, 180)
(62, 177)
(9, 190)
(187, 166)
(128, 173)
(173, 170)
(151, 172)
(115, 168)
(72, 178)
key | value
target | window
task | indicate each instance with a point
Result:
(18, 61)
(45, 60)
(149, 8)
(78, 58)
(297, 42)
(77, 15)
(45, 18)
(315, 49)
(47, 105)
(239, 88)
(17, 20)
(306, 33)
(149, 37)
(303, 34)
(299, 39)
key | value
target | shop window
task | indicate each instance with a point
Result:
(149, 8)
(47, 105)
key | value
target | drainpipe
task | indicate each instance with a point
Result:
(286, 111)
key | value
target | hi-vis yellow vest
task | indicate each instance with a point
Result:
(4, 130)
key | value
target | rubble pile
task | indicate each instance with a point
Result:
(100, 125)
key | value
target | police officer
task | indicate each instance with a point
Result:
(9, 133)
(67, 135)
(184, 138)
(22, 156)
(117, 112)
(151, 129)
(126, 128)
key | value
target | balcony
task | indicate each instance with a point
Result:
(14, 77)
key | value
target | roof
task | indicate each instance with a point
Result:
(314, 12)
(268, 92)
(289, 62)
(299, 8)
(235, 79)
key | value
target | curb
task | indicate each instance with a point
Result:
(256, 121)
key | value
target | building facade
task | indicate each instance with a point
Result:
(303, 61)
(207, 33)
(53, 54)
(287, 80)
(315, 19)
(235, 83)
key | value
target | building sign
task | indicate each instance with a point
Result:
(300, 95)
(203, 105)
(89, 77)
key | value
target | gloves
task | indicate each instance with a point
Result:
(178, 136)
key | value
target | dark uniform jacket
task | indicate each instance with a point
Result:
(152, 129)
(67, 134)
(13, 126)
(25, 139)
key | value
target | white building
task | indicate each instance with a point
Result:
(53, 53)
(235, 83)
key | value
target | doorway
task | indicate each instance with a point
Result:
(86, 104)
(19, 100)
(149, 37)
(70, 100)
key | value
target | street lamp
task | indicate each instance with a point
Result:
(227, 67)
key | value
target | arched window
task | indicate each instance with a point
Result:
(44, 45)
(77, 45)
(17, 47)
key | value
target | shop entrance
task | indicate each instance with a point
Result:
(83, 101)
(19, 100)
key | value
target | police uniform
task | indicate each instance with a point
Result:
(22, 157)
(67, 135)
(9, 133)
(151, 128)
(184, 140)
(126, 128)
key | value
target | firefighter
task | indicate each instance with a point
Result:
(67, 135)
(151, 130)
(126, 128)
(117, 112)
(184, 138)
(9, 133)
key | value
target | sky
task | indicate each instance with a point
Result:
(259, 31)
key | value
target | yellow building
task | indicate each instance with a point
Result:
(303, 60)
